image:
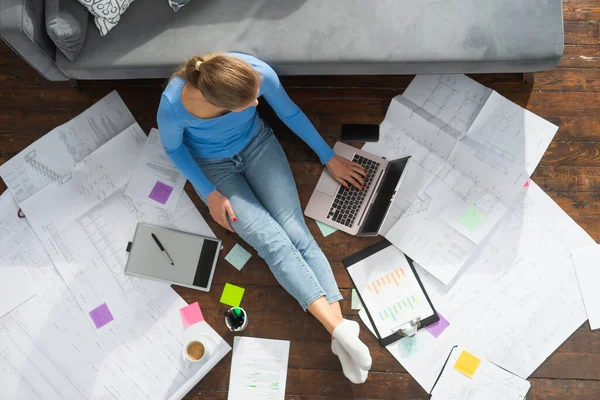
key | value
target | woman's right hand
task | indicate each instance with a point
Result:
(220, 207)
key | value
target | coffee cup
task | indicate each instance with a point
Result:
(196, 351)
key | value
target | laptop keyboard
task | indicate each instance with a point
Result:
(348, 201)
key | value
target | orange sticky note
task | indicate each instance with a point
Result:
(467, 363)
(191, 314)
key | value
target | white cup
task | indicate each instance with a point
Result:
(196, 351)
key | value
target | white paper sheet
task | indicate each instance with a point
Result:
(15, 286)
(515, 302)
(258, 369)
(390, 290)
(587, 266)
(155, 175)
(52, 351)
(489, 382)
(472, 151)
(54, 155)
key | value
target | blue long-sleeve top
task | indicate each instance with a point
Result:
(185, 136)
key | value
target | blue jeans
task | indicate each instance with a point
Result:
(259, 184)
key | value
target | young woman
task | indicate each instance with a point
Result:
(210, 129)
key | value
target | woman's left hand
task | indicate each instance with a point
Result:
(346, 172)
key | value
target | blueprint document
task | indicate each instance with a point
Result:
(468, 163)
(515, 302)
(51, 158)
(86, 223)
(50, 351)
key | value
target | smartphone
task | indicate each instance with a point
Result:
(360, 133)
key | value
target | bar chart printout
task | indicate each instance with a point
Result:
(389, 290)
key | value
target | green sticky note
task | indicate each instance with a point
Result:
(232, 295)
(356, 304)
(472, 218)
(238, 257)
(325, 229)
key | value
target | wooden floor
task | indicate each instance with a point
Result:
(569, 96)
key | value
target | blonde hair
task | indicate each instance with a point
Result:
(225, 81)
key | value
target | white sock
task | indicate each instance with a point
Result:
(351, 370)
(347, 334)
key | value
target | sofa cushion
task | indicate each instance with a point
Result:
(176, 5)
(107, 13)
(66, 24)
(23, 28)
(330, 37)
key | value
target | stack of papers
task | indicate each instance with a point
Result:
(516, 298)
(89, 321)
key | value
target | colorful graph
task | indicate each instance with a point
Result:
(397, 309)
(392, 279)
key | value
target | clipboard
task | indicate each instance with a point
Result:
(374, 253)
(495, 365)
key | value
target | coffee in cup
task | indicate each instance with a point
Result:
(195, 351)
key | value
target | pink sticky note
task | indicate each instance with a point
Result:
(101, 315)
(439, 327)
(191, 314)
(526, 184)
(161, 192)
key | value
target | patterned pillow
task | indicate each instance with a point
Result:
(177, 4)
(107, 13)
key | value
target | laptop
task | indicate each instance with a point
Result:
(354, 211)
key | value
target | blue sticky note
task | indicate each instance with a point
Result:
(325, 229)
(238, 257)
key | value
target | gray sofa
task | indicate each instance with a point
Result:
(303, 37)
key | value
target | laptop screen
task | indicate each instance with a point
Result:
(383, 198)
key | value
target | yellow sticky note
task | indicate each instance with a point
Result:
(467, 363)
(232, 295)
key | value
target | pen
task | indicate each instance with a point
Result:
(160, 246)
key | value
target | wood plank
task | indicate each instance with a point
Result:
(576, 129)
(562, 389)
(345, 100)
(580, 57)
(567, 178)
(582, 32)
(581, 10)
(568, 80)
(573, 154)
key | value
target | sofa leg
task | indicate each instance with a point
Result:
(528, 78)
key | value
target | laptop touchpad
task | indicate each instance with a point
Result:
(327, 184)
